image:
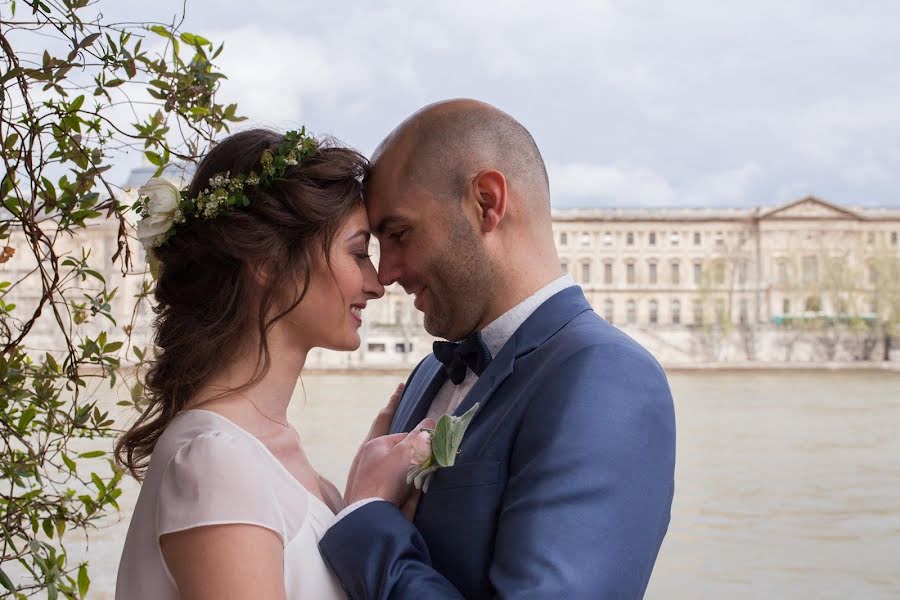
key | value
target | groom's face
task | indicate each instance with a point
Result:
(431, 249)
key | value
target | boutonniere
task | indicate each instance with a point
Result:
(435, 448)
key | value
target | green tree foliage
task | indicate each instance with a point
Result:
(76, 93)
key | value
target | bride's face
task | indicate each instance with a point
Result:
(331, 313)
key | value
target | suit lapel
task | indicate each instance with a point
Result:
(418, 395)
(549, 318)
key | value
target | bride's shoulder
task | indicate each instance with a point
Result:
(205, 446)
(189, 426)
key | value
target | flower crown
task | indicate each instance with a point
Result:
(162, 206)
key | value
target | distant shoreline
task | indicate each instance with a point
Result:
(891, 367)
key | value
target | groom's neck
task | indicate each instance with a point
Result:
(516, 285)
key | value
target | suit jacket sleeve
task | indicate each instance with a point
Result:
(587, 502)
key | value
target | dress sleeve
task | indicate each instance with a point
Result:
(218, 479)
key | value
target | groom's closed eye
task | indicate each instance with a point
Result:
(398, 236)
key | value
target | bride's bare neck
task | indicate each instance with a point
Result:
(272, 394)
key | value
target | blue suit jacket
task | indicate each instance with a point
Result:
(562, 487)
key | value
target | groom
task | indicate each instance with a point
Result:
(563, 484)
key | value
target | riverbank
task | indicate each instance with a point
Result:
(891, 367)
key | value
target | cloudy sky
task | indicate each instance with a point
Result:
(632, 102)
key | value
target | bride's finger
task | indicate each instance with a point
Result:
(382, 423)
(412, 503)
(394, 399)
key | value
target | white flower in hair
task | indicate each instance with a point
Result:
(160, 201)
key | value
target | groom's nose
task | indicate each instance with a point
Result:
(388, 271)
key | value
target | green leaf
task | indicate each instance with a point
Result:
(10, 74)
(76, 103)
(154, 158)
(27, 415)
(47, 525)
(11, 141)
(84, 582)
(459, 426)
(89, 40)
(101, 487)
(112, 346)
(69, 463)
(94, 274)
(440, 442)
(6, 582)
(160, 30)
(92, 454)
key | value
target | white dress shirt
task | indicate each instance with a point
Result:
(495, 336)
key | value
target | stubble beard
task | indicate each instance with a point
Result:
(462, 283)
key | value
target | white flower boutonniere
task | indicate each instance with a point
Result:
(160, 200)
(433, 449)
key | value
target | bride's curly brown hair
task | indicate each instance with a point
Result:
(206, 294)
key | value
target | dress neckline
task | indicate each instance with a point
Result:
(268, 453)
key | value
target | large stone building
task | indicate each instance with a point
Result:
(697, 283)
(712, 284)
(804, 281)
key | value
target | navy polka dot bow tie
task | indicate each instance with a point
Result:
(471, 353)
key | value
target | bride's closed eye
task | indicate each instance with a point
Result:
(361, 254)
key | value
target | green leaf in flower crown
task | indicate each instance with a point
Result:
(441, 446)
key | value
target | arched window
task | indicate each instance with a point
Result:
(654, 312)
(631, 312)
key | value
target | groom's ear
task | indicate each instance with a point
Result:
(491, 193)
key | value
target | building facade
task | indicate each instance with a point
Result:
(805, 281)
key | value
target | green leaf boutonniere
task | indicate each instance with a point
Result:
(433, 449)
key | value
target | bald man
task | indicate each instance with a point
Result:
(563, 484)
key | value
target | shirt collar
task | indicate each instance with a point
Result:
(498, 331)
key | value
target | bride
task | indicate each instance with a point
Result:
(265, 257)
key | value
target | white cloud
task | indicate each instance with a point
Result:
(609, 185)
(634, 102)
(730, 187)
(628, 185)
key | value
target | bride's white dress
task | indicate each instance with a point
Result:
(206, 470)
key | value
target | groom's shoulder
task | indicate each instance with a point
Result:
(592, 338)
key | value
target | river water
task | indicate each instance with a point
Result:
(787, 484)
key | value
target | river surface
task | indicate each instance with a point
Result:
(787, 484)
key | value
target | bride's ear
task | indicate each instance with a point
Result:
(491, 192)
(261, 273)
